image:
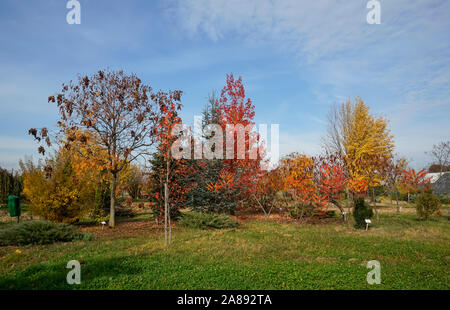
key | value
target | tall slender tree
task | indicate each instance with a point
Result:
(169, 106)
(237, 111)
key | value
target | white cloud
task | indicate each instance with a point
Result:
(408, 52)
(402, 65)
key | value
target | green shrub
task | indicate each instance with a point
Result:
(207, 220)
(445, 199)
(330, 213)
(361, 212)
(39, 232)
(427, 204)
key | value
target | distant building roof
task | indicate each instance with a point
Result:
(434, 176)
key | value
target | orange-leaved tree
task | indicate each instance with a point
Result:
(304, 200)
(266, 190)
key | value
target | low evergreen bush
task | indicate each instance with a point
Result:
(39, 232)
(207, 220)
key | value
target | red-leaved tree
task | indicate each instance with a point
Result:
(169, 105)
(415, 181)
(242, 157)
(332, 182)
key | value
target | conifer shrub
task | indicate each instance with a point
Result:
(361, 212)
(39, 232)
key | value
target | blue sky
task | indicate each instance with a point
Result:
(297, 59)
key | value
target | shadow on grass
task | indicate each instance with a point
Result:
(53, 276)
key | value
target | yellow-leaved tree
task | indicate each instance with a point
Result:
(363, 140)
(63, 188)
(54, 190)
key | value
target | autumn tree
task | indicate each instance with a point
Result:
(177, 189)
(55, 190)
(243, 154)
(364, 141)
(416, 181)
(266, 189)
(166, 134)
(393, 171)
(118, 109)
(227, 120)
(90, 160)
(297, 171)
(65, 186)
(331, 178)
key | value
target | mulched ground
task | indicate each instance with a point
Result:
(123, 229)
(142, 228)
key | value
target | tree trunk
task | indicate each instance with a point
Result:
(338, 204)
(112, 209)
(374, 202)
(349, 206)
(267, 214)
(396, 198)
(167, 238)
(165, 213)
(170, 226)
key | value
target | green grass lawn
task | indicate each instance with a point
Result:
(260, 254)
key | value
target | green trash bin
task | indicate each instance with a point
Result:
(14, 206)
